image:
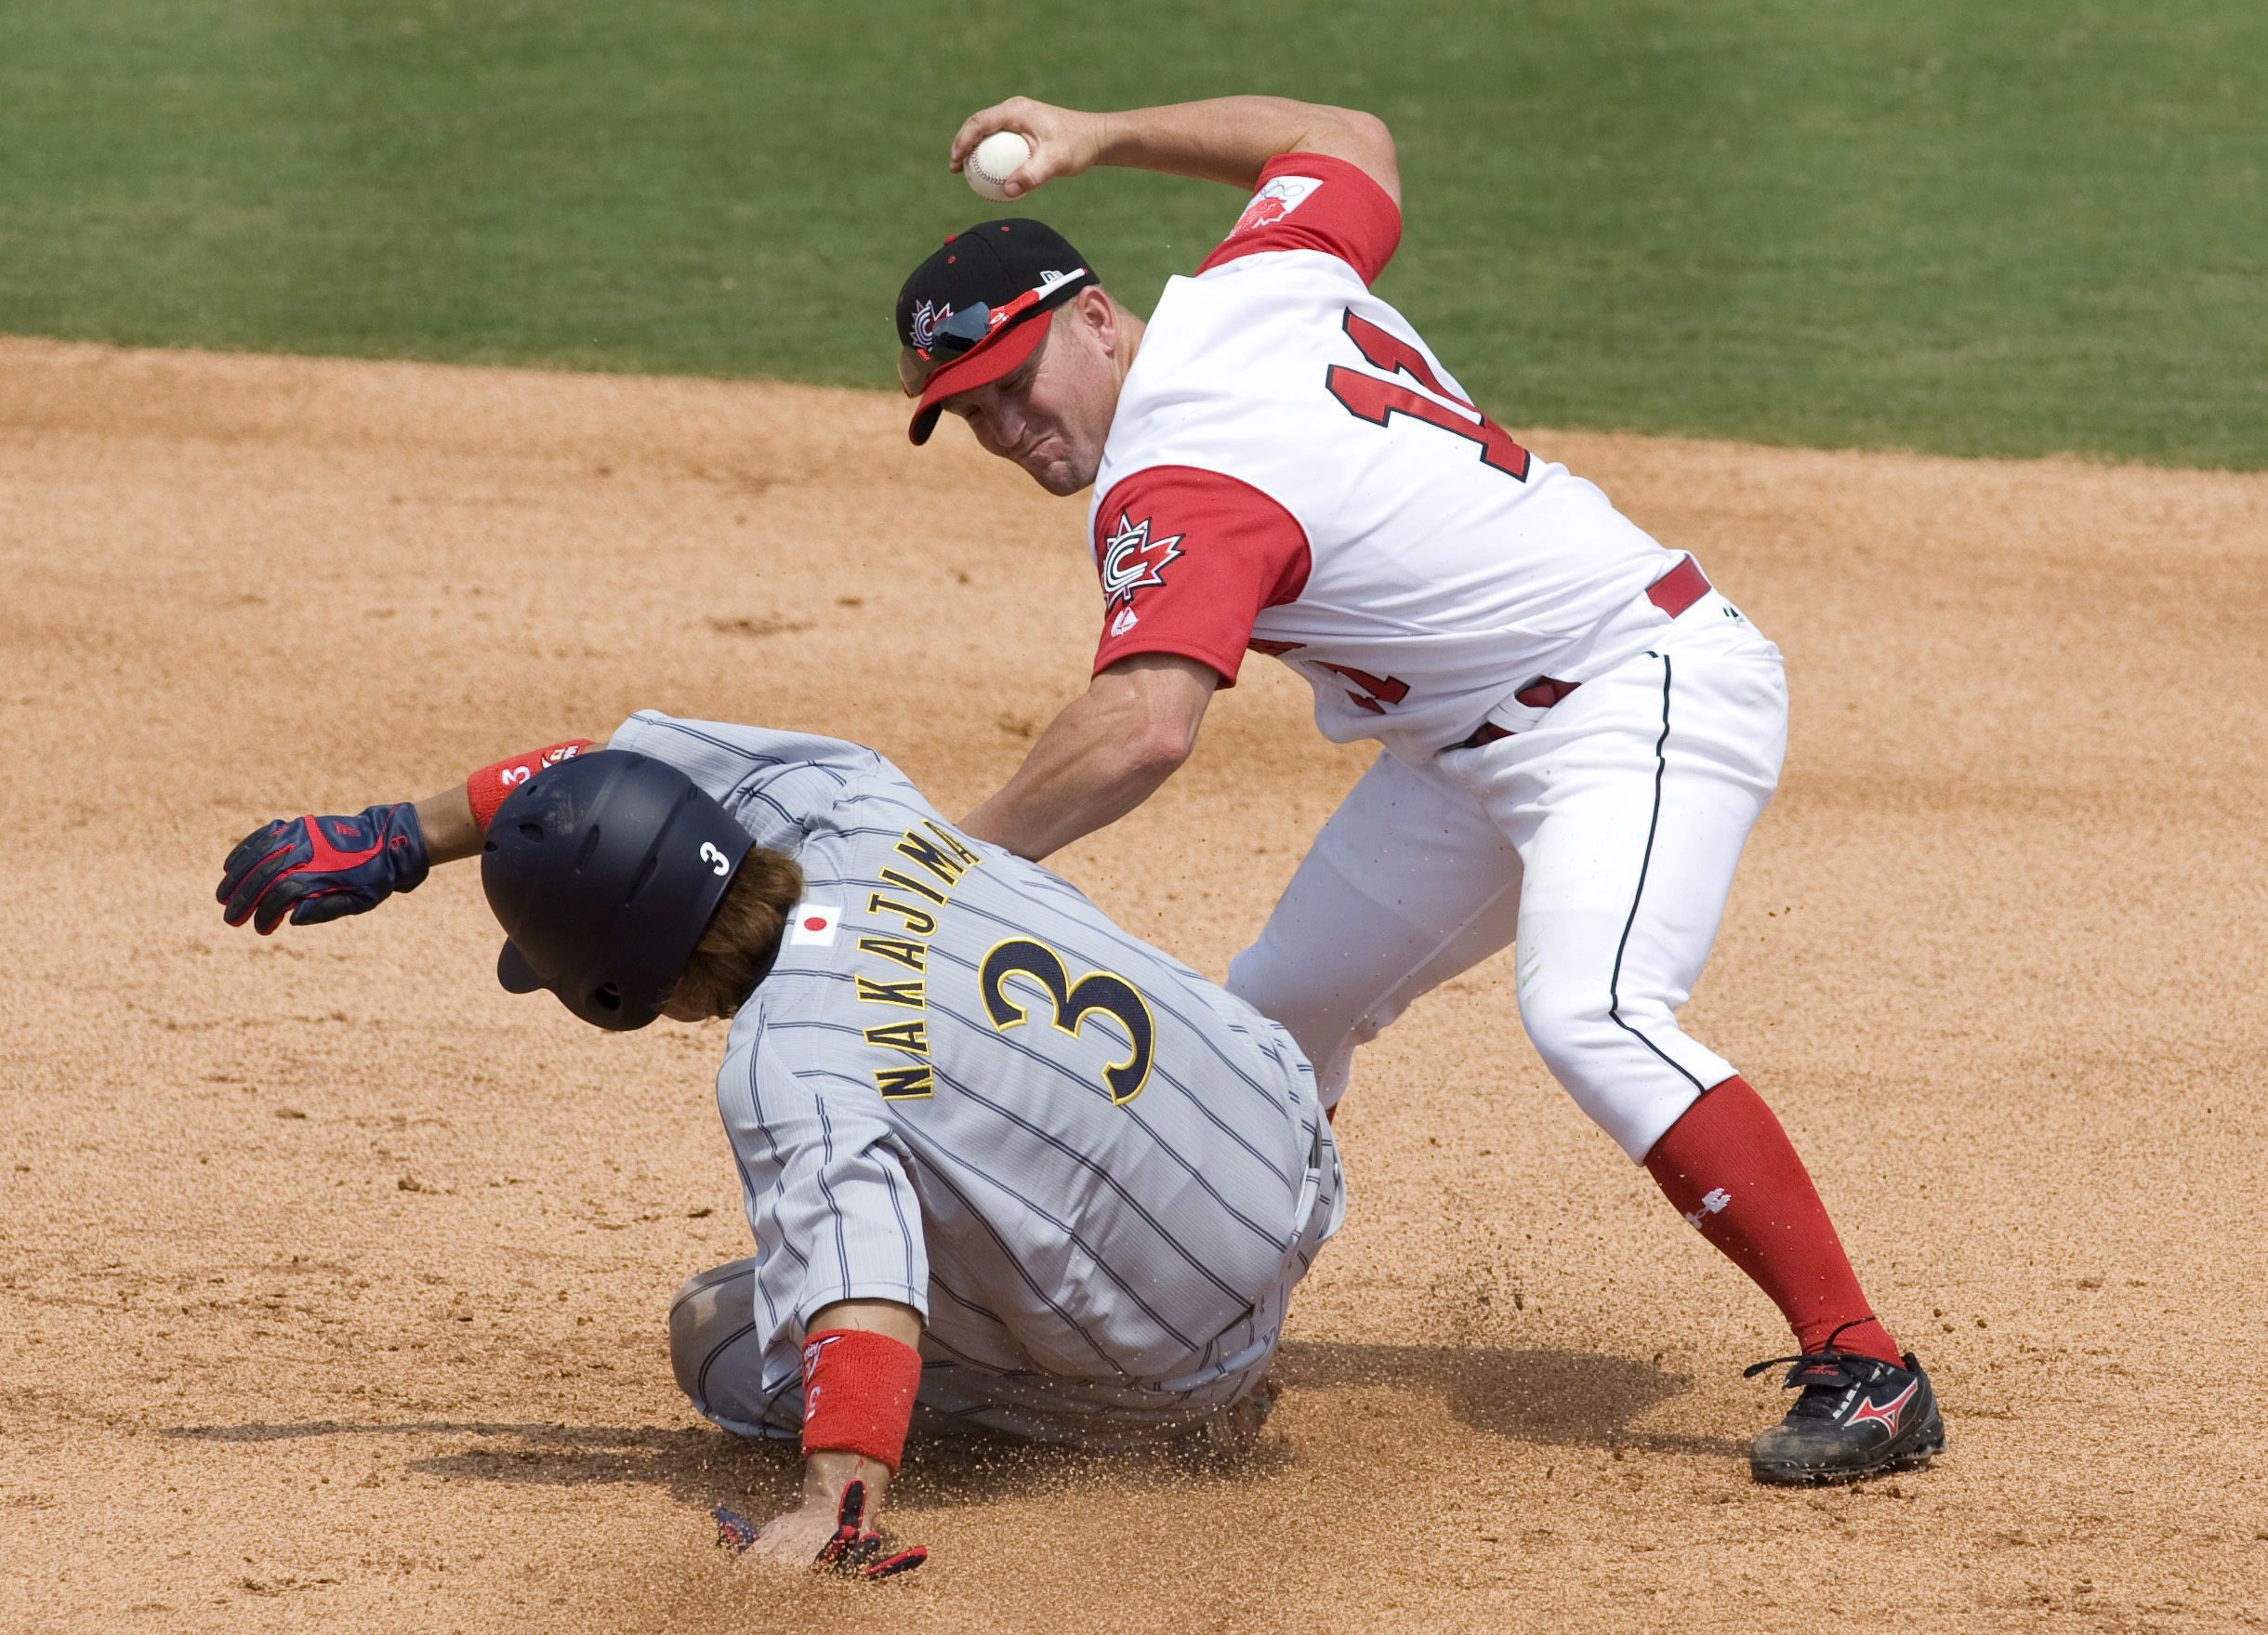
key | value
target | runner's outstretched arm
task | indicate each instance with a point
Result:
(313, 869)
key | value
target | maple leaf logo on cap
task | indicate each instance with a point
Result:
(928, 319)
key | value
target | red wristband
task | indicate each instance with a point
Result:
(858, 1393)
(487, 788)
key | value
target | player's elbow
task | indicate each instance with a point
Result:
(1152, 705)
(1160, 742)
(1364, 141)
(1366, 129)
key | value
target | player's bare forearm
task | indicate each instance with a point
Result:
(794, 1538)
(1229, 138)
(824, 1473)
(451, 834)
(1081, 775)
(1106, 753)
(1224, 140)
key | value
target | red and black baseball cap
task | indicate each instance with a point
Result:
(965, 318)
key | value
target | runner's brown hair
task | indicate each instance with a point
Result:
(741, 938)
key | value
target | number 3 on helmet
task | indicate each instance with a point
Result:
(604, 873)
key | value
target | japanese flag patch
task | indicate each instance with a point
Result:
(812, 925)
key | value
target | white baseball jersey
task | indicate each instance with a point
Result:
(962, 1088)
(1292, 470)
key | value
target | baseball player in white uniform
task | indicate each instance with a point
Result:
(1006, 1166)
(1578, 730)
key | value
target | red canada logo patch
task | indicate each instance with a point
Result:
(1130, 559)
(1275, 202)
(1261, 213)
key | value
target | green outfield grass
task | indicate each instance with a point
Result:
(2011, 229)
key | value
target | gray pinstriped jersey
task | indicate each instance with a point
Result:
(963, 1087)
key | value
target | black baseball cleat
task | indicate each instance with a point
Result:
(1857, 1417)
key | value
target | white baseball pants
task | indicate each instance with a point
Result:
(1601, 838)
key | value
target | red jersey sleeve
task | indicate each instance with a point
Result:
(1312, 201)
(1187, 557)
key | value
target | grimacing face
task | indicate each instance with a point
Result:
(1051, 415)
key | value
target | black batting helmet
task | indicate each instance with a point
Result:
(604, 871)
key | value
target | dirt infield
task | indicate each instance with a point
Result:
(331, 1277)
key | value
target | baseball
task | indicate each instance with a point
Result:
(994, 160)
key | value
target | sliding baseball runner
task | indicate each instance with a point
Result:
(1577, 728)
(1006, 1166)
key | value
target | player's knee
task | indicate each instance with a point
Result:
(707, 1311)
(1310, 1000)
(1573, 1027)
(1626, 1065)
(1281, 993)
(1326, 1025)
(1256, 977)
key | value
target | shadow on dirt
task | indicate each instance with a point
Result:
(702, 1466)
(696, 1463)
(1557, 1398)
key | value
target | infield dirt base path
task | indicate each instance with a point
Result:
(331, 1277)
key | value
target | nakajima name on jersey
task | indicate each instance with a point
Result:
(945, 858)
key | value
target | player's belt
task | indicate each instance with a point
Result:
(1673, 593)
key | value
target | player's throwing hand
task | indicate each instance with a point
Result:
(323, 868)
(1064, 141)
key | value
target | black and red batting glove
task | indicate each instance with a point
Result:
(323, 868)
(855, 1551)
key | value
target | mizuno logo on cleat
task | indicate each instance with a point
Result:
(1886, 1414)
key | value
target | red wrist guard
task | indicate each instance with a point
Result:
(487, 788)
(858, 1393)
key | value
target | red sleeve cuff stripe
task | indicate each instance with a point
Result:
(1134, 647)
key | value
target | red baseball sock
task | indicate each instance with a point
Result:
(1729, 1168)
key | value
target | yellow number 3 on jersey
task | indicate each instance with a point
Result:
(1102, 989)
